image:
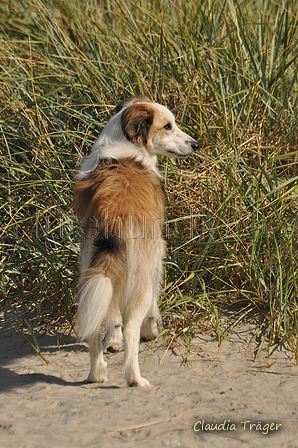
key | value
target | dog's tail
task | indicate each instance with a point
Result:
(95, 295)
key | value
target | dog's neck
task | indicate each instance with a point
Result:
(113, 144)
(117, 151)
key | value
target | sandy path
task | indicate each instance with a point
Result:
(50, 405)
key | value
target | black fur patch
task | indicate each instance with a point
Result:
(106, 246)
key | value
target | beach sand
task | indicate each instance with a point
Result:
(50, 405)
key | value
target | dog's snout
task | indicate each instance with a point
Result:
(195, 146)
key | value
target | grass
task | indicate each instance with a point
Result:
(228, 71)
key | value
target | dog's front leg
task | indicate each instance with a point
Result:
(114, 340)
(131, 340)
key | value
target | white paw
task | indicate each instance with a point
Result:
(112, 345)
(139, 382)
(149, 329)
(98, 377)
(113, 340)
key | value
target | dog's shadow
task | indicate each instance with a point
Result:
(14, 347)
(11, 380)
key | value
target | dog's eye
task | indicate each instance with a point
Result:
(168, 127)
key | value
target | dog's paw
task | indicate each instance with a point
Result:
(112, 346)
(149, 329)
(138, 382)
(98, 377)
(114, 340)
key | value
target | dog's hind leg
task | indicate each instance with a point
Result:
(98, 371)
(95, 296)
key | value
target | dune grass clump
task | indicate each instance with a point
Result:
(228, 71)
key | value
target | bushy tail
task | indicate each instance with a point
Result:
(95, 295)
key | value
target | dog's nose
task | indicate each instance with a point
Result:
(195, 146)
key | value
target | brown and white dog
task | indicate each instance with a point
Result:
(120, 205)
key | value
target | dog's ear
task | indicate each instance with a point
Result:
(136, 121)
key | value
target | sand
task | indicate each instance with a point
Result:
(228, 398)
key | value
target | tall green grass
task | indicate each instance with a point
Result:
(228, 71)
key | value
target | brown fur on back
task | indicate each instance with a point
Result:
(120, 191)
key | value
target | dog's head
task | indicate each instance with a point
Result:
(140, 129)
(151, 125)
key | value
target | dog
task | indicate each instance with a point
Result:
(120, 203)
